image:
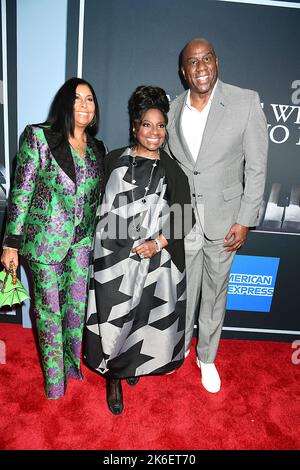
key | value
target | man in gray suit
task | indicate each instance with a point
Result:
(218, 135)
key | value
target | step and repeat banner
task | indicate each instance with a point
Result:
(127, 43)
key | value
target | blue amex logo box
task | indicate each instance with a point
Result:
(251, 283)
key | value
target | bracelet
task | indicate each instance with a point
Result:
(157, 245)
(9, 248)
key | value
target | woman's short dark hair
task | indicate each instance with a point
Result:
(142, 99)
(61, 113)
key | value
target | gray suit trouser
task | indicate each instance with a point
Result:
(208, 269)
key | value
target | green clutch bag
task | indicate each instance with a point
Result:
(12, 291)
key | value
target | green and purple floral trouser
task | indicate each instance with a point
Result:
(60, 292)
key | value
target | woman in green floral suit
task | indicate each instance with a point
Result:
(51, 222)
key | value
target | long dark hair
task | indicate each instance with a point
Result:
(61, 113)
(144, 98)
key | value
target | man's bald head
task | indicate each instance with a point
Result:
(196, 41)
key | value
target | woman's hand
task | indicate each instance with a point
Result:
(146, 250)
(149, 249)
(9, 255)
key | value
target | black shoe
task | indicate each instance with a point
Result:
(132, 380)
(114, 396)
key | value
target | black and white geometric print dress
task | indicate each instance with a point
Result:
(136, 307)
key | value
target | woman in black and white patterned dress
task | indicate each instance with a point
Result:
(136, 311)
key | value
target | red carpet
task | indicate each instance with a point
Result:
(257, 408)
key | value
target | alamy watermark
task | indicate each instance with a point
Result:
(2, 352)
(295, 97)
(140, 221)
(296, 354)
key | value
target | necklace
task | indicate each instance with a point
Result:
(79, 147)
(138, 221)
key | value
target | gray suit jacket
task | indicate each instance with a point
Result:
(229, 174)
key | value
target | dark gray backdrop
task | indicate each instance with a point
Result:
(131, 42)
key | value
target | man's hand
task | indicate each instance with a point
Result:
(236, 237)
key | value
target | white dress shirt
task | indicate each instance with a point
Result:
(193, 123)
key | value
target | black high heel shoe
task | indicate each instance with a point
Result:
(114, 396)
(132, 380)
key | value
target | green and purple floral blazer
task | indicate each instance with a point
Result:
(41, 216)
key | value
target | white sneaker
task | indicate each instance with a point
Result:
(209, 377)
(186, 353)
